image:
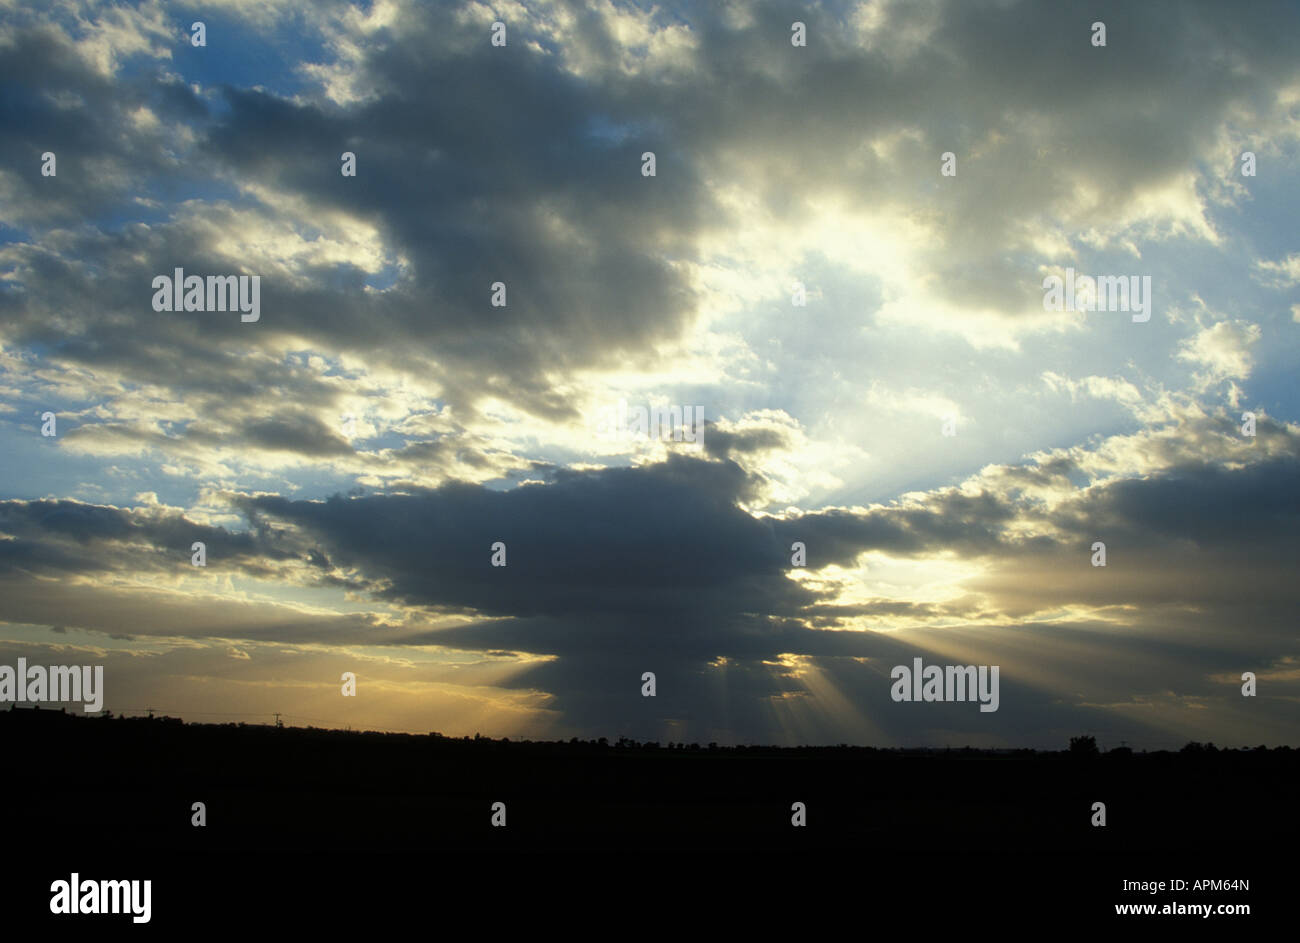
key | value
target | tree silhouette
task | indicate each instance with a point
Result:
(1083, 746)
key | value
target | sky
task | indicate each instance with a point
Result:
(837, 269)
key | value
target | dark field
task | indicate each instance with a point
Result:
(290, 806)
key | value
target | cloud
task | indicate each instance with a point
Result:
(469, 423)
(616, 571)
(1223, 350)
(1282, 273)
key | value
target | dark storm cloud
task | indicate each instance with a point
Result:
(661, 538)
(475, 186)
(62, 537)
(1255, 508)
(302, 433)
(948, 521)
(656, 568)
(722, 444)
(666, 548)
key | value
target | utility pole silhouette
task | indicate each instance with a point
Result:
(277, 719)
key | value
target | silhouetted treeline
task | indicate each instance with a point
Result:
(135, 779)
